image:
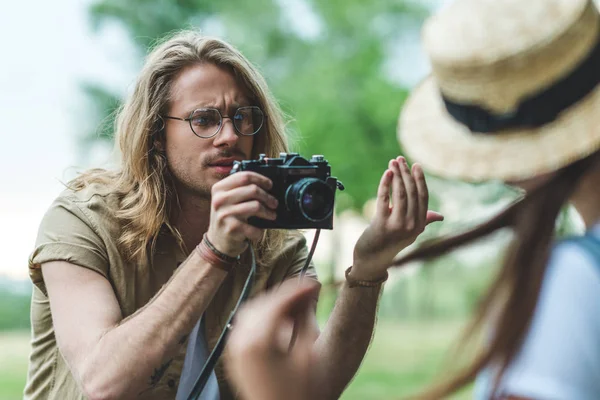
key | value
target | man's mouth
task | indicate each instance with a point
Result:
(223, 162)
(223, 165)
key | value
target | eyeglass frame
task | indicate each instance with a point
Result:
(189, 120)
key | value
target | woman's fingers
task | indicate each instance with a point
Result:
(268, 315)
(301, 350)
(288, 302)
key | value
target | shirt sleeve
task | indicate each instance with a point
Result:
(560, 357)
(67, 233)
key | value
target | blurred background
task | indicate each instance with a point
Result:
(341, 70)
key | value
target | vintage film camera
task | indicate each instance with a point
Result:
(304, 189)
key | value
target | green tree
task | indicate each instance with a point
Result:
(332, 84)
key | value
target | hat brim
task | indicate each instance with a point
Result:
(445, 147)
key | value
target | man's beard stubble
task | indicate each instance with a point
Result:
(202, 190)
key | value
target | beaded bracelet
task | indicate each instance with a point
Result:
(354, 282)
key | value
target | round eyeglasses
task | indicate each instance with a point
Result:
(207, 122)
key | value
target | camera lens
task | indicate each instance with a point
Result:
(313, 202)
(313, 198)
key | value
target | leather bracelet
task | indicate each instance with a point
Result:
(205, 252)
(219, 254)
(357, 283)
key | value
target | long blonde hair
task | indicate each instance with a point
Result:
(144, 184)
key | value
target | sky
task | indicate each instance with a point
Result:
(46, 54)
(48, 50)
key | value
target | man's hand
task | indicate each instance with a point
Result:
(394, 226)
(234, 200)
(260, 361)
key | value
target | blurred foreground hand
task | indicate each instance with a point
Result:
(260, 360)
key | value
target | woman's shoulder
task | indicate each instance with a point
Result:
(560, 356)
(576, 259)
(573, 275)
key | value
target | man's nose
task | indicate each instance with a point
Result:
(227, 134)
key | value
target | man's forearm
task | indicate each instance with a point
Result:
(129, 358)
(343, 343)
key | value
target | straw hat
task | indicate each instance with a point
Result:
(500, 68)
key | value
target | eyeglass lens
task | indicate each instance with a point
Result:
(246, 120)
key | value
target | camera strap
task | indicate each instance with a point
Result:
(209, 366)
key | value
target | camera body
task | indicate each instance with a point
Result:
(304, 189)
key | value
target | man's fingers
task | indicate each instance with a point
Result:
(422, 194)
(243, 178)
(253, 208)
(412, 199)
(242, 194)
(251, 232)
(433, 216)
(398, 192)
(383, 193)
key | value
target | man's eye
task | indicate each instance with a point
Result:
(204, 120)
(200, 121)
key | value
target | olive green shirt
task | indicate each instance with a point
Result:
(80, 227)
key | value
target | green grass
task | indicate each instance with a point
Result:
(14, 351)
(403, 358)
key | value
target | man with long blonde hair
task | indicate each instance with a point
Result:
(127, 262)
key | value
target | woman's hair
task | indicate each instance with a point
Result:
(512, 297)
(144, 184)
